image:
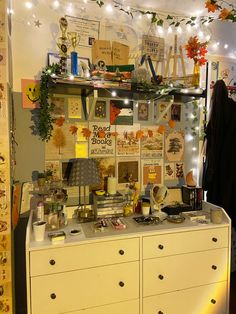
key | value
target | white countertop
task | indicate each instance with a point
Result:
(89, 234)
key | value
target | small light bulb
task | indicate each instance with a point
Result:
(72, 77)
(109, 8)
(208, 37)
(113, 93)
(28, 4)
(28, 23)
(136, 105)
(194, 149)
(197, 128)
(179, 30)
(189, 137)
(200, 34)
(126, 101)
(191, 116)
(56, 4)
(160, 30)
(85, 1)
(170, 30)
(226, 46)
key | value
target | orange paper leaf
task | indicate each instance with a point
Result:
(150, 133)
(101, 134)
(224, 14)
(73, 129)
(139, 134)
(172, 124)
(114, 134)
(86, 132)
(161, 129)
(60, 121)
(211, 6)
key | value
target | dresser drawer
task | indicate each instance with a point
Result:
(75, 290)
(129, 307)
(209, 299)
(83, 256)
(176, 272)
(184, 242)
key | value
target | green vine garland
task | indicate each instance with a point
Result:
(44, 125)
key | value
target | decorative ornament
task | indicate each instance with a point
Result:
(86, 132)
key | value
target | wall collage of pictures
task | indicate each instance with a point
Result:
(140, 141)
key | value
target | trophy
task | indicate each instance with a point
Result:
(74, 39)
(63, 45)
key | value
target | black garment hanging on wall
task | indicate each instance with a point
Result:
(219, 175)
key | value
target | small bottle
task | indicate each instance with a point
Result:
(40, 211)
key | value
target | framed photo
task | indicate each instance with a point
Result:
(55, 58)
(100, 109)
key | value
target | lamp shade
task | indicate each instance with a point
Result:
(84, 171)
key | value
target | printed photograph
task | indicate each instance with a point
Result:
(120, 112)
(143, 111)
(176, 112)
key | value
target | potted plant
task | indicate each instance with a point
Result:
(41, 179)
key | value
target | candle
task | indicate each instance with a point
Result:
(111, 185)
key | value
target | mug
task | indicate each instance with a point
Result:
(145, 209)
(39, 230)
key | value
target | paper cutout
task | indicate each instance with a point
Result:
(30, 93)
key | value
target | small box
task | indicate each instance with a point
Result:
(192, 196)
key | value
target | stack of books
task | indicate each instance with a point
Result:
(106, 206)
(192, 196)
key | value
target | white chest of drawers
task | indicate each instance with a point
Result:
(167, 269)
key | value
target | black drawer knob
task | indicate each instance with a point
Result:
(214, 239)
(160, 312)
(121, 252)
(121, 284)
(214, 267)
(213, 301)
(161, 277)
(52, 262)
(53, 296)
(160, 246)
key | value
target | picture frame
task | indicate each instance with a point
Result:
(55, 58)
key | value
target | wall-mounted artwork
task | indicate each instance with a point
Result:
(127, 142)
(30, 93)
(163, 111)
(174, 146)
(75, 107)
(54, 166)
(169, 171)
(175, 110)
(101, 141)
(59, 107)
(120, 112)
(106, 168)
(151, 172)
(143, 111)
(152, 145)
(100, 109)
(127, 171)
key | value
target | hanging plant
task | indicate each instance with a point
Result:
(44, 122)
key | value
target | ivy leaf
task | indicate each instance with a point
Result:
(172, 23)
(193, 18)
(160, 22)
(177, 24)
(169, 17)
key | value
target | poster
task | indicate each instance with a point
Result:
(100, 109)
(120, 53)
(152, 172)
(75, 107)
(59, 107)
(121, 113)
(163, 111)
(175, 112)
(174, 146)
(30, 93)
(127, 141)
(88, 30)
(101, 141)
(101, 52)
(106, 168)
(61, 145)
(127, 171)
(152, 143)
(143, 111)
(169, 171)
